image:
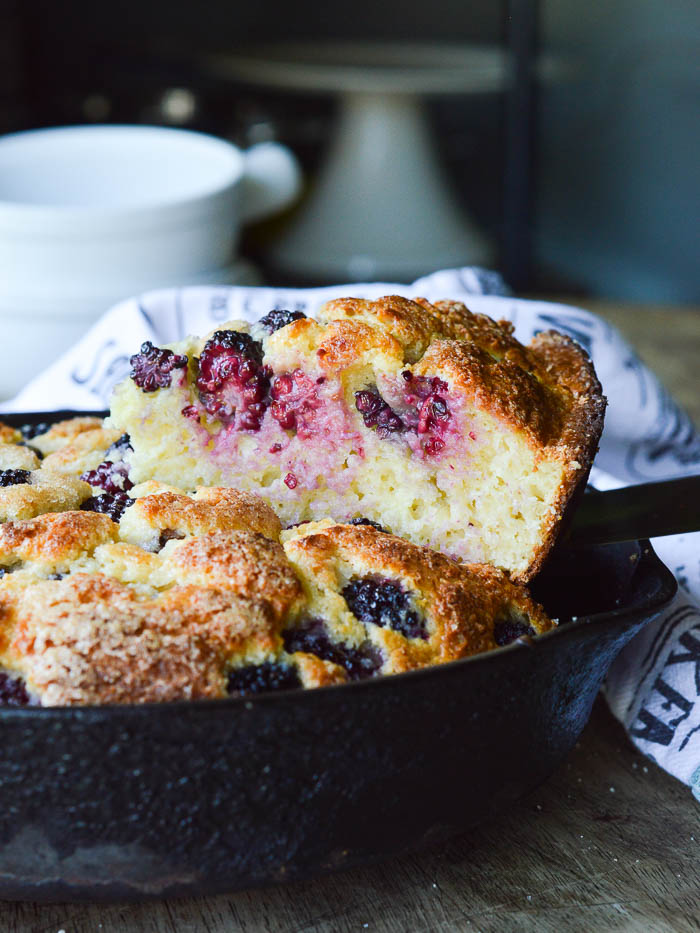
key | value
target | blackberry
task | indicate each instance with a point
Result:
(168, 535)
(14, 477)
(237, 340)
(384, 603)
(421, 387)
(507, 630)
(312, 638)
(428, 412)
(231, 381)
(279, 318)
(295, 402)
(433, 446)
(433, 410)
(259, 678)
(13, 691)
(152, 368)
(376, 413)
(29, 431)
(112, 477)
(368, 521)
(112, 504)
(119, 449)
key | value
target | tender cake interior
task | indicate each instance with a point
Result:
(428, 419)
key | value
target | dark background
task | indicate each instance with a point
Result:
(610, 206)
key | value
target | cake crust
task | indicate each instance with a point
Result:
(460, 603)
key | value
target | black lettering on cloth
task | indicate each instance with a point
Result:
(652, 729)
(656, 730)
(218, 307)
(690, 655)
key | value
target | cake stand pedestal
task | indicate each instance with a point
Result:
(381, 206)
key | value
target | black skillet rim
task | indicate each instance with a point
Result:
(664, 593)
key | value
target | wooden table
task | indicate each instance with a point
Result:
(609, 842)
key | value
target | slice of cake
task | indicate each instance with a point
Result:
(429, 419)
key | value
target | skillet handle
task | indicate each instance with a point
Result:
(650, 510)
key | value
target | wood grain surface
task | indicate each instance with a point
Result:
(608, 843)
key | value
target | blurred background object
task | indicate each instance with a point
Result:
(381, 207)
(587, 185)
(92, 214)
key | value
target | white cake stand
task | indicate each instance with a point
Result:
(381, 207)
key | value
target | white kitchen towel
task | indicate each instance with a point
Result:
(654, 686)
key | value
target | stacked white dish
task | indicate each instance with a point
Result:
(90, 215)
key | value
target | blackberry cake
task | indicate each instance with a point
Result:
(426, 418)
(293, 503)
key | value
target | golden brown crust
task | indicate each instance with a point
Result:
(348, 343)
(563, 359)
(17, 457)
(63, 432)
(313, 672)
(89, 639)
(242, 561)
(210, 509)
(82, 452)
(516, 427)
(411, 324)
(459, 323)
(9, 435)
(460, 602)
(54, 538)
(45, 492)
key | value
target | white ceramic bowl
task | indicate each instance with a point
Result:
(92, 214)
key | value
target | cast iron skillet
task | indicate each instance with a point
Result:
(197, 798)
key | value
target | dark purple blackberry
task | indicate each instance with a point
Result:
(112, 504)
(259, 678)
(278, 318)
(28, 431)
(13, 691)
(14, 477)
(368, 521)
(152, 368)
(231, 381)
(112, 477)
(384, 603)
(312, 637)
(119, 449)
(168, 535)
(507, 630)
(422, 387)
(376, 413)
